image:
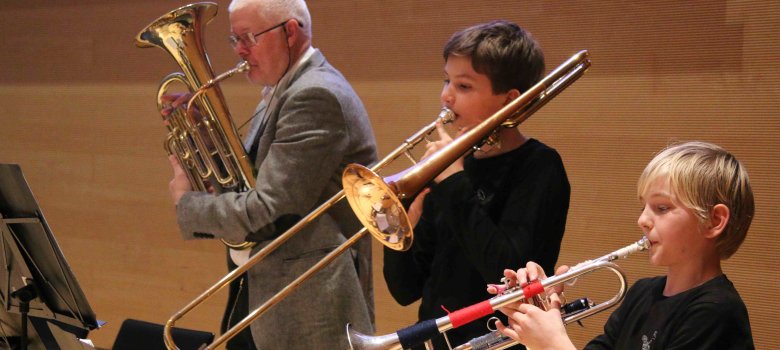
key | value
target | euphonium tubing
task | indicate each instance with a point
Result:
(418, 333)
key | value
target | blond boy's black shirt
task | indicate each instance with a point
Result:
(710, 316)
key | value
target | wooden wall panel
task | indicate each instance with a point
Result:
(77, 112)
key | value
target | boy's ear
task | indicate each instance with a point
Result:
(719, 217)
(511, 95)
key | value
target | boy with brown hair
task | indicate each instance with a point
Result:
(504, 204)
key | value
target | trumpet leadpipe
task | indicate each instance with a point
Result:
(622, 253)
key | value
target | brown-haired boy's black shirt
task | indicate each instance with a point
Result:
(500, 211)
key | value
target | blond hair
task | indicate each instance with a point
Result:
(702, 175)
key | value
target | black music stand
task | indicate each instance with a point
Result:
(36, 282)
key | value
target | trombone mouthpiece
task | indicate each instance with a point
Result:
(446, 115)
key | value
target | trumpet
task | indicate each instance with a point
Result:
(419, 333)
(377, 203)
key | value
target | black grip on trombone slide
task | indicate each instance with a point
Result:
(417, 333)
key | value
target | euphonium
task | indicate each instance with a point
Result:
(416, 334)
(207, 146)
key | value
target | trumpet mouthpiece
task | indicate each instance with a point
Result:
(643, 244)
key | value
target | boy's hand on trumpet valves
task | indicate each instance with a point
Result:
(533, 326)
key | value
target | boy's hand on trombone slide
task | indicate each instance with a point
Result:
(433, 146)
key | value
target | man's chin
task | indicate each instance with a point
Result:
(253, 80)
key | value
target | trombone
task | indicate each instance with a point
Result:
(419, 333)
(377, 203)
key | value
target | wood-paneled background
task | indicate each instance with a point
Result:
(77, 112)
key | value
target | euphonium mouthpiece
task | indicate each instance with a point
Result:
(241, 67)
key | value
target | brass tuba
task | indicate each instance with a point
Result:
(208, 147)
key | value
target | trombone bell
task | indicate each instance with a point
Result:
(377, 202)
(377, 206)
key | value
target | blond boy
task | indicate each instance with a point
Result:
(697, 208)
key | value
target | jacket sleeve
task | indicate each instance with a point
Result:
(528, 228)
(309, 144)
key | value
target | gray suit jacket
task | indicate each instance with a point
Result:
(318, 126)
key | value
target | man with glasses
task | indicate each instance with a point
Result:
(308, 126)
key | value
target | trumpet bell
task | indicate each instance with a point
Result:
(377, 207)
(361, 341)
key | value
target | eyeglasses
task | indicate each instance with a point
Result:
(250, 39)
